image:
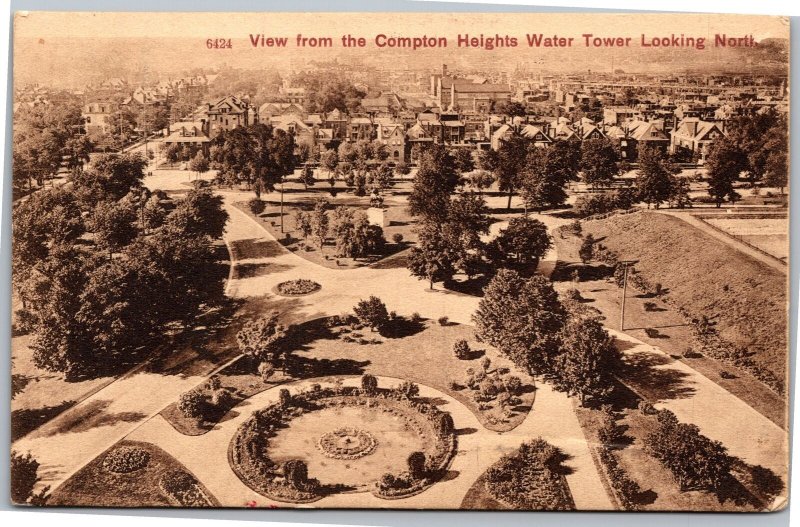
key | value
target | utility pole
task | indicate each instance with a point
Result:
(624, 289)
(282, 178)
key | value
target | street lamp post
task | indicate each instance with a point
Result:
(282, 179)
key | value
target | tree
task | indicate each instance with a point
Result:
(724, 164)
(480, 180)
(199, 163)
(109, 178)
(319, 222)
(524, 241)
(598, 161)
(416, 465)
(435, 256)
(329, 161)
(586, 250)
(254, 153)
(307, 177)
(434, 182)
(654, 179)
(302, 222)
(371, 312)
(463, 160)
(541, 188)
(112, 225)
(200, 213)
(153, 213)
(509, 165)
(263, 338)
(369, 384)
(587, 361)
(522, 318)
(24, 476)
(511, 108)
(256, 206)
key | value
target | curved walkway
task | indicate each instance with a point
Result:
(552, 419)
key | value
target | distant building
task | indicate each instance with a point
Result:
(466, 94)
(97, 117)
(696, 135)
(190, 133)
(227, 114)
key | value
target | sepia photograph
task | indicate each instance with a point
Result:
(477, 261)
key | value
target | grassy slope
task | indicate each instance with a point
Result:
(706, 276)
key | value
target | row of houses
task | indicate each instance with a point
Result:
(402, 134)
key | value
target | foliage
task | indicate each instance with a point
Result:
(509, 165)
(24, 475)
(371, 312)
(263, 338)
(184, 488)
(522, 318)
(318, 221)
(198, 214)
(191, 403)
(408, 389)
(586, 250)
(599, 161)
(397, 238)
(654, 181)
(603, 202)
(354, 236)
(696, 462)
(256, 206)
(523, 242)
(587, 361)
(461, 349)
(529, 479)
(112, 225)
(123, 460)
(416, 465)
(108, 178)
(724, 164)
(253, 154)
(434, 182)
(369, 384)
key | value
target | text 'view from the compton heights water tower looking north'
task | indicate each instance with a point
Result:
(491, 42)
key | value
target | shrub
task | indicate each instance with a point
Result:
(214, 383)
(461, 349)
(266, 370)
(646, 408)
(725, 374)
(408, 389)
(295, 471)
(125, 459)
(284, 397)
(575, 228)
(586, 250)
(443, 321)
(488, 389)
(453, 386)
(651, 332)
(256, 206)
(513, 384)
(221, 398)
(416, 465)
(486, 362)
(609, 433)
(191, 403)
(369, 384)
(371, 312)
(416, 317)
(397, 238)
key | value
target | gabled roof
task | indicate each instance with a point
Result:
(535, 133)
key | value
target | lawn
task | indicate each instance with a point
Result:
(398, 221)
(320, 351)
(658, 323)
(94, 486)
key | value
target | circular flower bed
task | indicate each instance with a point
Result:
(251, 447)
(347, 443)
(126, 459)
(298, 287)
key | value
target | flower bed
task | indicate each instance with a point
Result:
(124, 460)
(184, 489)
(347, 443)
(298, 287)
(249, 449)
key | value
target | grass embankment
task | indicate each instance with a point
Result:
(694, 269)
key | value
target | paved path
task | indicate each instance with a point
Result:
(696, 399)
(771, 261)
(552, 418)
